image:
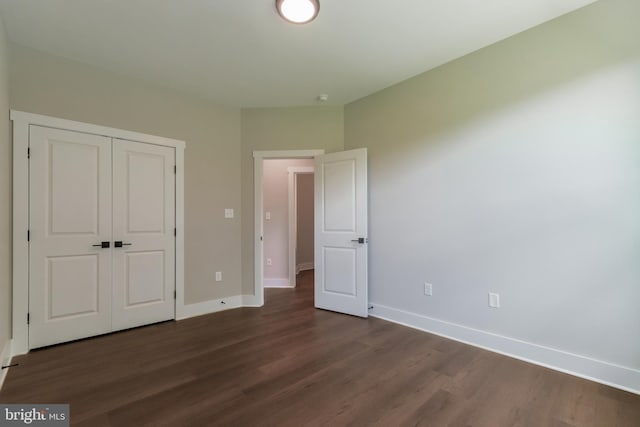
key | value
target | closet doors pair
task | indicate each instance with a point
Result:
(101, 235)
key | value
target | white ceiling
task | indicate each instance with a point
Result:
(239, 52)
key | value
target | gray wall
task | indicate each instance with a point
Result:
(45, 84)
(515, 170)
(301, 128)
(5, 195)
(305, 219)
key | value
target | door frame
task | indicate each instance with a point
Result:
(258, 210)
(294, 171)
(21, 122)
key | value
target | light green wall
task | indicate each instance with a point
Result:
(516, 170)
(265, 129)
(5, 195)
(53, 86)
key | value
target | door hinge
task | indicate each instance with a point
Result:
(175, 231)
(28, 318)
(28, 153)
(175, 169)
(28, 235)
(175, 295)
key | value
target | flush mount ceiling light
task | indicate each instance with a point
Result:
(298, 11)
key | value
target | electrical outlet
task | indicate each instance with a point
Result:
(269, 262)
(228, 213)
(428, 289)
(494, 300)
(218, 276)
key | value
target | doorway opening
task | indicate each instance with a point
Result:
(281, 243)
(340, 232)
(288, 220)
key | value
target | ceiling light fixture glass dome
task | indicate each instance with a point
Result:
(298, 11)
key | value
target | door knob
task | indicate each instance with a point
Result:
(103, 245)
(119, 244)
(361, 240)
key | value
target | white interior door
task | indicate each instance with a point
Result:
(70, 213)
(143, 234)
(341, 232)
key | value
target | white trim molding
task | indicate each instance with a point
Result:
(277, 283)
(180, 232)
(258, 210)
(21, 123)
(621, 377)
(217, 305)
(304, 266)
(5, 360)
(211, 306)
(20, 303)
(20, 117)
(251, 301)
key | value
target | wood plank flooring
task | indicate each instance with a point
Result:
(287, 364)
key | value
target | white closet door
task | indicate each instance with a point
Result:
(144, 221)
(70, 213)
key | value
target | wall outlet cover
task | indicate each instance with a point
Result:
(494, 300)
(428, 289)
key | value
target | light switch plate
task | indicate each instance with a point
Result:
(228, 213)
(218, 276)
(267, 215)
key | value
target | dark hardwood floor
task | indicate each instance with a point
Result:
(287, 364)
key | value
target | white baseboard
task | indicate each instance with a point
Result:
(621, 377)
(251, 301)
(277, 283)
(211, 306)
(5, 359)
(304, 266)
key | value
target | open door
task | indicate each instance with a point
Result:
(341, 232)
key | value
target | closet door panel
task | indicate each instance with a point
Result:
(143, 221)
(70, 213)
